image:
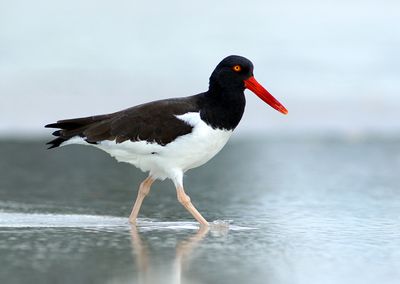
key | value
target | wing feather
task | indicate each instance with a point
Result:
(152, 122)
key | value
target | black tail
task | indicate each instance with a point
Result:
(71, 127)
(56, 142)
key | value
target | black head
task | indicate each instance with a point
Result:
(234, 74)
(231, 72)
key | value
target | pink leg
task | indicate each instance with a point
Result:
(184, 199)
(144, 189)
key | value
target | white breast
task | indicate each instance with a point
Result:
(184, 153)
(202, 144)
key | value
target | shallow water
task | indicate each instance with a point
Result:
(294, 210)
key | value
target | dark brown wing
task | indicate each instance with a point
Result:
(152, 122)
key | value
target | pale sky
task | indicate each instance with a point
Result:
(334, 64)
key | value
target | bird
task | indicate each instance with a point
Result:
(166, 138)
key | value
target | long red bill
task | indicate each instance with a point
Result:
(263, 94)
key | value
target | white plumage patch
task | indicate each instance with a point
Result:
(172, 160)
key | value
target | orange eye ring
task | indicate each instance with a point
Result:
(237, 68)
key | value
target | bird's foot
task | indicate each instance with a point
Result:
(220, 224)
(132, 221)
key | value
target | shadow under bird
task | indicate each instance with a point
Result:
(168, 137)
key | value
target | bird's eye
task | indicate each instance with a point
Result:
(237, 68)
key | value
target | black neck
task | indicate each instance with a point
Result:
(222, 108)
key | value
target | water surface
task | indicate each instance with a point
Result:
(300, 210)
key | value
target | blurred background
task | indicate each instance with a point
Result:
(334, 64)
(312, 197)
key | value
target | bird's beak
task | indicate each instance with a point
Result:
(263, 94)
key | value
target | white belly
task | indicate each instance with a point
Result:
(184, 153)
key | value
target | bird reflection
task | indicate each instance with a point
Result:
(149, 273)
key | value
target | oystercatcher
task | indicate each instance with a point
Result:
(168, 137)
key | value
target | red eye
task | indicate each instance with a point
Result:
(237, 68)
